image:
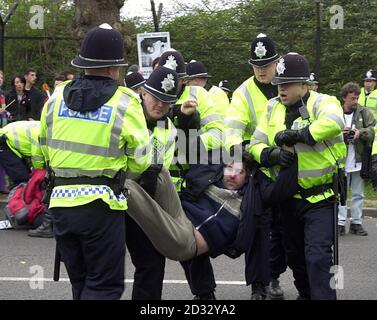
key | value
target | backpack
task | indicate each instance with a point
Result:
(25, 200)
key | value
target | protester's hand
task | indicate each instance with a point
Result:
(356, 135)
(189, 107)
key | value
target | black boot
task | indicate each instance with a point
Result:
(45, 229)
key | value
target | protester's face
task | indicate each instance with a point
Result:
(265, 74)
(154, 109)
(290, 93)
(369, 85)
(1, 79)
(313, 87)
(235, 176)
(350, 100)
(31, 77)
(70, 76)
(18, 85)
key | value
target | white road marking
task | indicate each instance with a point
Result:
(19, 279)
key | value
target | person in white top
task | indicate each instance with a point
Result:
(359, 136)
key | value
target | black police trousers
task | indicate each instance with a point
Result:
(91, 239)
(14, 166)
(149, 263)
(308, 234)
(278, 257)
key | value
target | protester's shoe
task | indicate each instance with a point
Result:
(274, 291)
(358, 230)
(341, 230)
(207, 296)
(258, 291)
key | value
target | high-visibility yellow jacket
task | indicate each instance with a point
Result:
(23, 139)
(246, 108)
(369, 101)
(211, 116)
(98, 143)
(163, 143)
(318, 163)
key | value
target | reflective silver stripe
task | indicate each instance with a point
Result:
(316, 104)
(112, 151)
(235, 124)
(233, 132)
(373, 98)
(336, 118)
(16, 141)
(213, 132)
(270, 107)
(83, 148)
(193, 93)
(212, 117)
(118, 125)
(259, 135)
(50, 117)
(316, 173)
(73, 172)
(37, 158)
(253, 142)
(31, 140)
(140, 152)
(318, 147)
(249, 100)
(375, 138)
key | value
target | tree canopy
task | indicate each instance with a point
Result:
(216, 32)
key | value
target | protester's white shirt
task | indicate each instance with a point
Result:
(351, 164)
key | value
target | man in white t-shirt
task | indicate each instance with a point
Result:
(359, 136)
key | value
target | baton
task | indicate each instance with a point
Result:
(57, 264)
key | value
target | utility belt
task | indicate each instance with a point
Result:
(313, 191)
(117, 184)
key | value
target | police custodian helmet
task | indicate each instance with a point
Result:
(163, 84)
(133, 80)
(173, 59)
(102, 47)
(196, 69)
(370, 75)
(291, 67)
(263, 51)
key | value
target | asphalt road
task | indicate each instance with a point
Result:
(25, 260)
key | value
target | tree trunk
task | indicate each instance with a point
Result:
(92, 13)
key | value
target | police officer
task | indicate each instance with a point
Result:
(211, 127)
(313, 124)
(93, 133)
(249, 101)
(158, 93)
(134, 80)
(197, 75)
(368, 94)
(225, 86)
(313, 82)
(19, 142)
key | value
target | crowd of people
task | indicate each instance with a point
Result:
(261, 176)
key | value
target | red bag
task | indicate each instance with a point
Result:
(25, 200)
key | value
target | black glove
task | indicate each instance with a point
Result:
(281, 157)
(289, 137)
(148, 179)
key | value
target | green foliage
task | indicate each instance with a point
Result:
(221, 39)
(48, 56)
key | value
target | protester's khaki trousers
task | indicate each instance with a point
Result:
(162, 218)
